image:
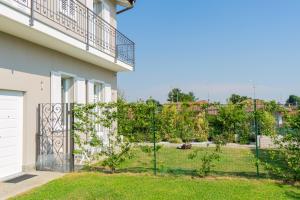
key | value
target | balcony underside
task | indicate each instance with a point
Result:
(16, 23)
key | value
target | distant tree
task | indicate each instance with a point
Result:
(235, 98)
(155, 102)
(293, 100)
(176, 95)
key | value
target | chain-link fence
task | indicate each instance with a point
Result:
(193, 138)
(203, 139)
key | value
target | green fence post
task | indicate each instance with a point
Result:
(256, 137)
(154, 140)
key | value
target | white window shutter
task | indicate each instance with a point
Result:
(90, 91)
(55, 87)
(80, 91)
(107, 94)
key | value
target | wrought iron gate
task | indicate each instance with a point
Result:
(55, 142)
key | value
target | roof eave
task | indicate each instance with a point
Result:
(126, 3)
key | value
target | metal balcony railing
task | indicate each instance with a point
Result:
(76, 20)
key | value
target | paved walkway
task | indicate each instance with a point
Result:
(12, 189)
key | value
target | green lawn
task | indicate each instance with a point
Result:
(146, 187)
(233, 162)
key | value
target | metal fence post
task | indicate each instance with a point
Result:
(154, 140)
(31, 13)
(256, 137)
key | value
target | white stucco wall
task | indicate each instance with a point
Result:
(26, 67)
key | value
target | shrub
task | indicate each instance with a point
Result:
(87, 137)
(175, 140)
(201, 127)
(267, 123)
(285, 161)
(169, 119)
(116, 153)
(219, 141)
(208, 159)
(231, 120)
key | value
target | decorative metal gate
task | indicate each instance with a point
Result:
(55, 142)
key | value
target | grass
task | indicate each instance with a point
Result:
(233, 162)
(138, 186)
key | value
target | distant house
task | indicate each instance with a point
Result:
(54, 53)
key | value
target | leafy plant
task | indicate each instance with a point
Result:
(267, 123)
(186, 122)
(175, 140)
(231, 120)
(201, 127)
(169, 118)
(149, 149)
(208, 159)
(116, 153)
(85, 134)
(219, 141)
(285, 159)
(91, 143)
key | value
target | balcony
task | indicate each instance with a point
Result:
(75, 20)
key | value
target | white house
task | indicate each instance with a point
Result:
(54, 52)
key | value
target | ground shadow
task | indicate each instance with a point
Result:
(178, 172)
(292, 194)
(249, 175)
(265, 159)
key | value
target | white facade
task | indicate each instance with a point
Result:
(44, 61)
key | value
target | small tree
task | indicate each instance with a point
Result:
(208, 159)
(186, 122)
(285, 161)
(267, 123)
(168, 118)
(117, 152)
(201, 127)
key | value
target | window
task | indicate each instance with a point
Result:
(98, 97)
(98, 94)
(67, 90)
(97, 7)
(68, 8)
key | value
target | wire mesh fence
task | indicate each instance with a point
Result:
(194, 139)
(205, 139)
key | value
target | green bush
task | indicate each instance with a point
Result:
(267, 123)
(175, 140)
(208, 159)
(285, 161)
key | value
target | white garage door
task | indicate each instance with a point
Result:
(11, 124)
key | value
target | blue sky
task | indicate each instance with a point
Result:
(213, 48)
